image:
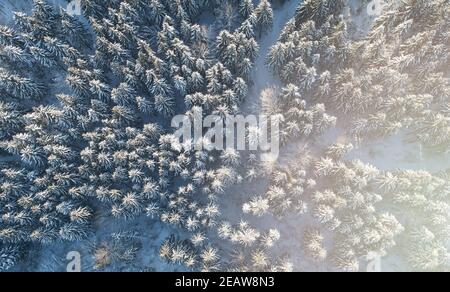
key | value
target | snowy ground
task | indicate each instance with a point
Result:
(395, 153)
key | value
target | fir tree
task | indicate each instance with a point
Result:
(264, 17)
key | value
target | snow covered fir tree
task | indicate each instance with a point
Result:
(91, 164)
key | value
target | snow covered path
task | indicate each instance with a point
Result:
(262, 77)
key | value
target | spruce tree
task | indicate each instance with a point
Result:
(264, 17)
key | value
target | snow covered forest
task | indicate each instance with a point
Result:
(89, 162)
